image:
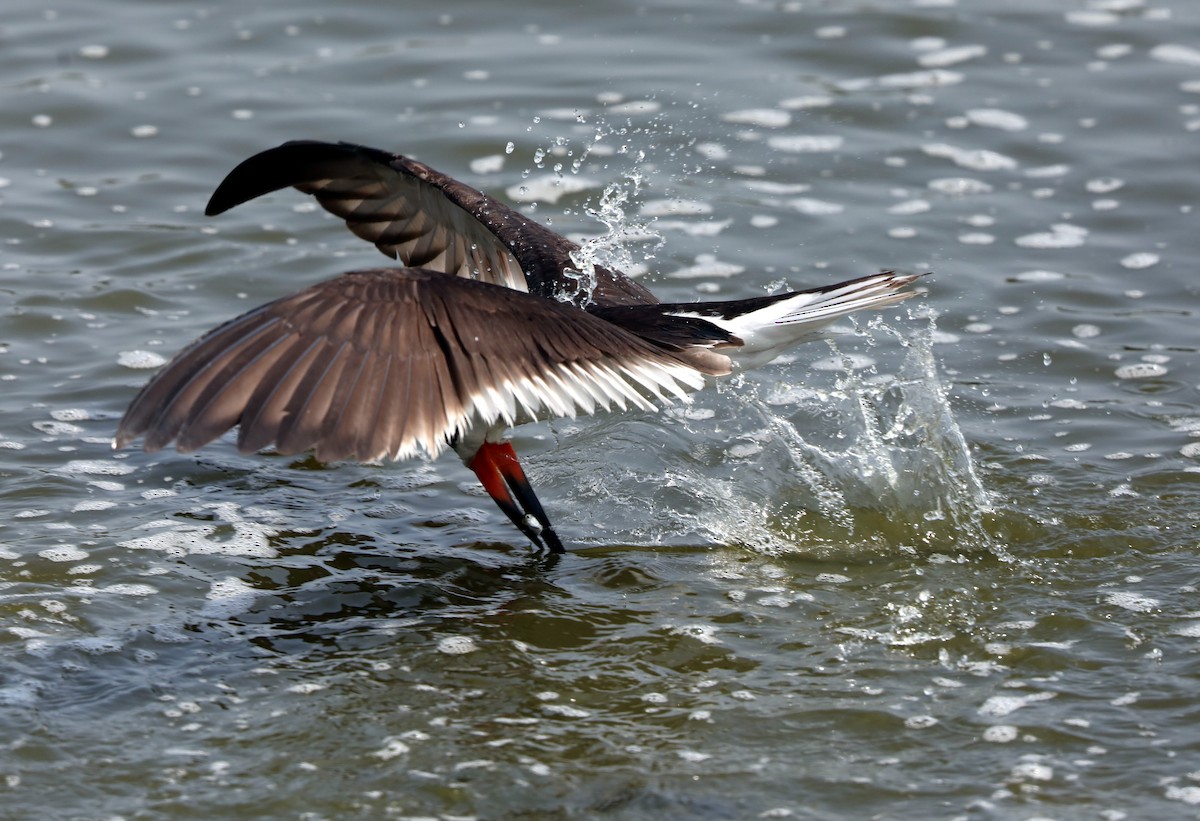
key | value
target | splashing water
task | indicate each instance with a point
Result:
(872, 462)
(877, 460)
(611, 249)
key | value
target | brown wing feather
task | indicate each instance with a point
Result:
(394, 362)
(424, 219)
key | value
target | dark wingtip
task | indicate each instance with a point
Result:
(292, 163)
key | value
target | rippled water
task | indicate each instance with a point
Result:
(944, 567)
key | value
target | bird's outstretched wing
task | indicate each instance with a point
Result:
(425, 219)
(388, 363)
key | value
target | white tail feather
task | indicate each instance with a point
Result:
(770, 331)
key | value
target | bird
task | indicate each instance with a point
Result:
(490, 321)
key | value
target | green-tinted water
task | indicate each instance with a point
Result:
(945, 569)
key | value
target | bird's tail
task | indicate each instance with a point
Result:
(768, 326)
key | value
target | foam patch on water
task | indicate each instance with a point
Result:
(932, 78)
(1132, 601)
(1000, 706)
(762, 117)
(974, 159)
(808, 101)
(1060, 235)
(52, 428)
(806, 144)
(707, 265)
(951, 56)
(1139, 261)
(910, 207)
(457, 645)
(959, 186)
(1038, 275)
(1000, 733)
(63, 554)
(815, 207)
(227, 598)
(1141, 370)
(95, 467)
(1177, 54)
(140, 359)
(997, 118)
(550, 188)
(250, 539)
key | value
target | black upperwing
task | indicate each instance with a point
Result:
(425, 219)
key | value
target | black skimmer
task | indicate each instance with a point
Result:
(489, 324)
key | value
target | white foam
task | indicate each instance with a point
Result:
(1091, 17)
(550, 188)
(227, 597)
(997, 118)
(815, 207)
(487, 165)
(704, 633)
(1132, 601)
(999, 706)
(1180, 55)
(806, 143)
(806, 102)
(1060, 235)
(1104, 185)
(140, 359)
(51, 428)
(708, 228)
(959, 186)
(1038, 276)
(909, 207)
(392, 747)
(96, 467)
(457, 645)
(951, 56)
(707, 265)
(249, 539)
(565, 710)
(1141, 370)
(1032, 771)
(1000, 733)
(129, 590)
(1043, 172)
(1187, 794)
(921, 79)
(1141, 260)
(763, 117)
(63, 554)
(781, 188)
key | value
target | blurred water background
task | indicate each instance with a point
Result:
(942, 568)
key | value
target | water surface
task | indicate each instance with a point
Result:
(944, 567)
